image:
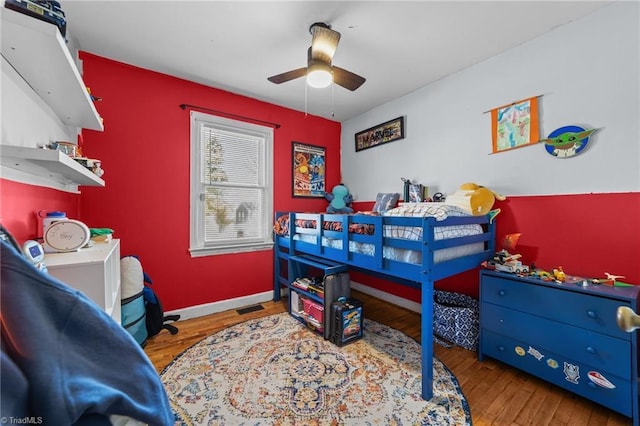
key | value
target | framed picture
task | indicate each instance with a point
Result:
(377, 135)
(515, 125)
(308, 170)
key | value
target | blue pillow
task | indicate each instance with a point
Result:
(385, 201)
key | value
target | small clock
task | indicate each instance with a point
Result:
(33, 251)
(66, 235)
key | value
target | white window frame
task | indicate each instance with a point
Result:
(197, 245)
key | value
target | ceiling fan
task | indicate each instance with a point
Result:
(319, 70)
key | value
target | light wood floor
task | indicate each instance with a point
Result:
(497, 394)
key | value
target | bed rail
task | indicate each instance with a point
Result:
(375, 261)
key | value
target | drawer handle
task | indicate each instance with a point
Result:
(592, 314)
(501, 292)
(591, 349)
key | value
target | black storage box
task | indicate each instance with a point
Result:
(335, 286)
(346, 321)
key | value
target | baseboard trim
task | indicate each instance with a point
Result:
(223, 305)
(241, 302)
(391, 298)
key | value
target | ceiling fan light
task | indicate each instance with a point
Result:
(319, 76)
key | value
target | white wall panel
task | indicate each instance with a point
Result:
(587, 73)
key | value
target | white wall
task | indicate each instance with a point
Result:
(588, 73)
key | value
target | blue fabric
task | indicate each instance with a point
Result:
(149, 295)
(385, 201)
(133, 318)
(78, 366)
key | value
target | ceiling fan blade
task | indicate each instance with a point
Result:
(347, 79)
(324, 42)
(288, 76)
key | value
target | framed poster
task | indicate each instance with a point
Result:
(515, 125)
(390, 131)
(308, 170)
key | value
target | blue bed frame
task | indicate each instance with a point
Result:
(420, 276)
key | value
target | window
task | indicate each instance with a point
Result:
(231, 186)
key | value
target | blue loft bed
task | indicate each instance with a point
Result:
(414, 251)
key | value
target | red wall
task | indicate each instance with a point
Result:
(20, 204)
(145, 154)
(587, 235)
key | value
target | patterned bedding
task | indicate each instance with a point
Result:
(439, 211)
(281, 227)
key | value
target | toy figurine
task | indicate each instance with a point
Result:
(339, 200)
(559, 274)
(541, 274)
(506, 262)
(611, 280)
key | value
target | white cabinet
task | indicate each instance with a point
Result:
(95, 271)
(38, 53)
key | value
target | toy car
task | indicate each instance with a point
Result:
(506, 262)
(512, 266)
(541, 275)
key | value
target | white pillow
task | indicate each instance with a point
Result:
(440, 211)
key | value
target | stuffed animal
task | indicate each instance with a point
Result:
(474, 199)
(339, 200)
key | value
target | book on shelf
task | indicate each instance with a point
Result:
(297, 307)
(316, 288)
(302, 282)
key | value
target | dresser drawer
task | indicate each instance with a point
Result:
(560, 370)
(569, 307)
(598, 350)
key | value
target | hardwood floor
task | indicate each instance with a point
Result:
(497, 394)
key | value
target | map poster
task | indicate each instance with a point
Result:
(308, 170)
(515, 125)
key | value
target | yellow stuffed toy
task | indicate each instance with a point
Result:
(474, 199)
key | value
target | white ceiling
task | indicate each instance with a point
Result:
(235, 45)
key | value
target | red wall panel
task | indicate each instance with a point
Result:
(145, 154)
(20, 204)
(587, 234)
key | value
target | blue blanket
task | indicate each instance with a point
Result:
(64, 360)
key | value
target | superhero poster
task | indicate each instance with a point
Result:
(308, 170)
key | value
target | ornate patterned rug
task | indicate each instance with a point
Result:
(275, 371)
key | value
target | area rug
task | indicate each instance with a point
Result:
(276, 371)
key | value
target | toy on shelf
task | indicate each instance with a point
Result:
(505, 261)
(510, 241)
(540, 274)
(611, 280)
(559, 275)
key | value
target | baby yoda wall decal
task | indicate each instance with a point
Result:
(567, 141)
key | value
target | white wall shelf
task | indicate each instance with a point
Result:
(49, 163)
(38, 52)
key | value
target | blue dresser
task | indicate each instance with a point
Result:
(564, 333)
